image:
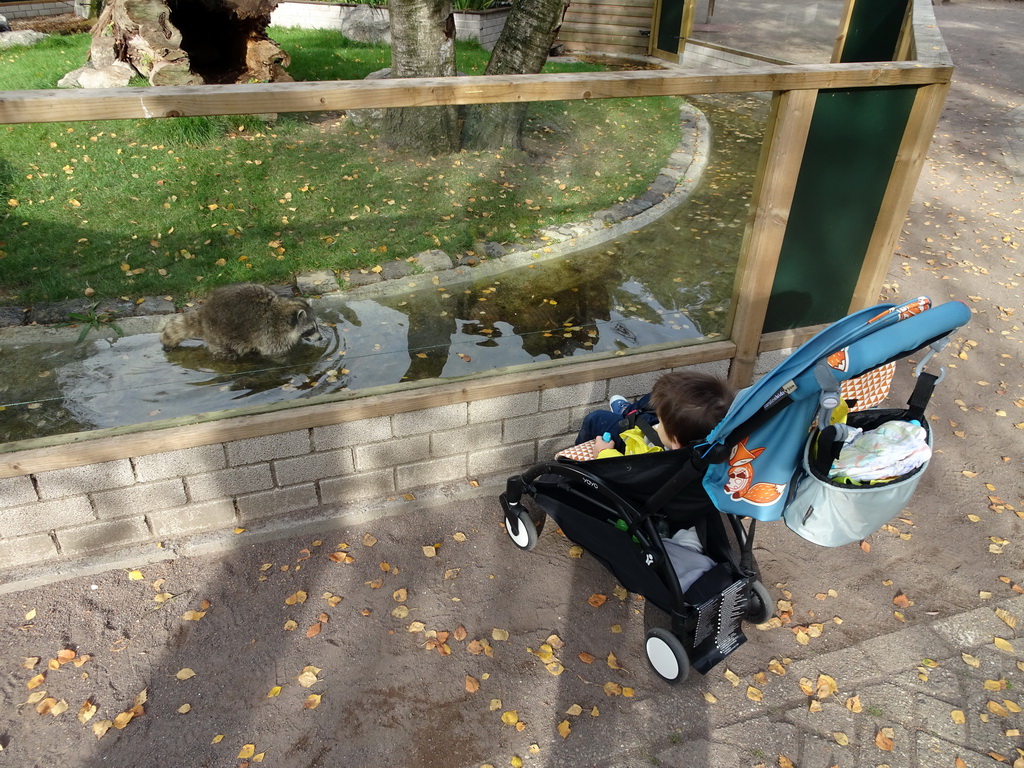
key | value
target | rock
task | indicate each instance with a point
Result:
(433, 261)
(117, 75)
(365, 117)
(367, 24)
(4, 26)
(316, 283)
(392, 270)
(154, 305)
(357, 278)
(489, 250)
(22, 37)
(115, 308)
(11, 316)
(60, 312)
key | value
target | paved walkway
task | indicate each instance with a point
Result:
(414, 634)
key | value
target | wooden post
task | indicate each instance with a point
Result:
(910, 156)
(844, 28)
(689, 10)
(781, 156)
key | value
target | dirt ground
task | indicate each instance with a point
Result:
(423, 638)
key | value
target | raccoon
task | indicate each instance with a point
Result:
(237, 320)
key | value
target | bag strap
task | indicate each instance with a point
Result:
(921, 396)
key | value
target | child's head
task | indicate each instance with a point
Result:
(689, 404)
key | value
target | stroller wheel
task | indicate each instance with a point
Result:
(759, 609)
(522, 530)
(667, 655)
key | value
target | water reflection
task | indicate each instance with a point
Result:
(669, 282)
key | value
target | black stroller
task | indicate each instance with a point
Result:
(624, 510)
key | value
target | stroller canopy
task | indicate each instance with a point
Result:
(755, 450)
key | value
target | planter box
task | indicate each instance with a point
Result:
(352, 20)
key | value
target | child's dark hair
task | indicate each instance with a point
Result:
(690, 403)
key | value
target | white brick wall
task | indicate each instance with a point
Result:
(31, 10)
(484, 27)
(80, 511)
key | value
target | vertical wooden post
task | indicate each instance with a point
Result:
(844, 28)
(689, 10)
(924, 116)
(906, 50)
(778, 168)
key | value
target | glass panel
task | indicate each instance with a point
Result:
(122, 207)
(798, 31)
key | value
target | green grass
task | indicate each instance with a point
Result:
(134, 208)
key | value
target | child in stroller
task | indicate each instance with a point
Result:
(621, 510)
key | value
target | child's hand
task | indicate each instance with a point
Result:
(600, 444)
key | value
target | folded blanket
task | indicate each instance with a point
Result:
(894, 449)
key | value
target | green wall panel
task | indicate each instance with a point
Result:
(874, 30)
(851, 147)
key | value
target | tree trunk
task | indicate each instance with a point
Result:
(422, 45)
(190, 42)
(522, 49)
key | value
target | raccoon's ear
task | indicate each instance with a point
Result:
(298, 315)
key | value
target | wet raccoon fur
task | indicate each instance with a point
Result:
(239, 319)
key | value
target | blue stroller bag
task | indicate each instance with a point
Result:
(757, 464)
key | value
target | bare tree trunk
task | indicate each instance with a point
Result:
(422, 45)
(522, 49)
(190, 42)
